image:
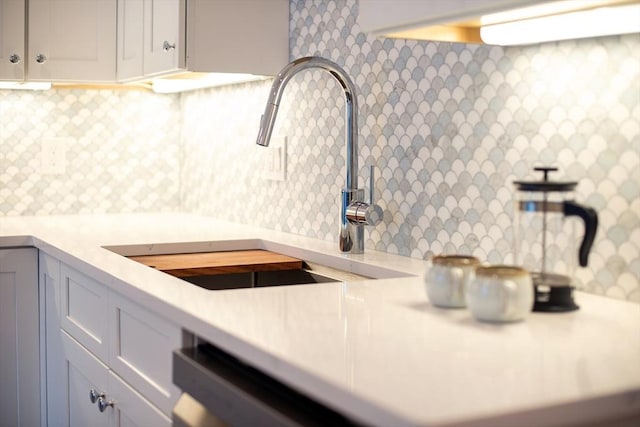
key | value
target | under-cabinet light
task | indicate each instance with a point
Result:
(26, 85)
(597, 22)
(192, 81)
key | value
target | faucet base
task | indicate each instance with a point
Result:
(351, 235)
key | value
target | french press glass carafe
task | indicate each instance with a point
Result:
(545, 242)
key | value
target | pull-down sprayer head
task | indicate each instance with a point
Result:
(268, 119)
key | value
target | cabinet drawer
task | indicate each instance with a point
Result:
(84, 304)
(140, 351)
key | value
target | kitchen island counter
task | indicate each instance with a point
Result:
(375, 350)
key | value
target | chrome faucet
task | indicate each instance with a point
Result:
(355, 213)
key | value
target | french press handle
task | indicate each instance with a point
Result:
(590, 219)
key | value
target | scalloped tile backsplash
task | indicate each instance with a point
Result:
(448, 127)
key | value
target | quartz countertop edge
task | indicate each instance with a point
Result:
(374, 349)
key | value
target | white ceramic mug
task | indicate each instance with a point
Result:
(447, 278)
(500, 294)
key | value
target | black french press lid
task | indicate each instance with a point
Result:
(545, 185)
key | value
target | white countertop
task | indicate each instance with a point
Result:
(375, 350)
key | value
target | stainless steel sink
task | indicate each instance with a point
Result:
(307, 275)
(316, 267)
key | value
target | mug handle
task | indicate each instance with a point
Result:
(590, 219)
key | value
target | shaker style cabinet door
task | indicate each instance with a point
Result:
(130, 62)
(164, 35)
(19, 338)
(145, 364)
(151, 37)
(72, 40)
(99, 398)
(84, 375)
(12, 36)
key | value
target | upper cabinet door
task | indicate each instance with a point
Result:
(151, 37)
(12, 36)
(130, 39)
(72, 40)
(164, 36)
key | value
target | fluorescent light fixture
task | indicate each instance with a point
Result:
(26, 85)
(602, 21)
(192, 81)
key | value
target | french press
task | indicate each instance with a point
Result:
(544, 241)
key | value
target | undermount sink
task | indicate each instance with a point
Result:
(249, 263)
(257, 279)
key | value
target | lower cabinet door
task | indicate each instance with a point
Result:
(98, 397)
(87, 381)
(131, 408)
(19, 347)
(141, 345)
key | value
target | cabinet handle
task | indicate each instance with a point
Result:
(14, 58)
(103, 404)
(40, 58)
(94, 395)
(166, 46)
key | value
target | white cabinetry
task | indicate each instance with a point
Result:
(110, 41)
(238, 36)
(72, 40)
(19, 338)
(381, 16)
(99, 341)
(151, 37)
(12, 20)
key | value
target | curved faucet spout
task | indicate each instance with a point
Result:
(351, 112)
(354, 212)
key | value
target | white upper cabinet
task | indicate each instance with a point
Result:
(238, 36)
(503, 22)
(381, 16)
(12, 38)
(108, 41)
(72, 40)
(151, 37)
(164, 36)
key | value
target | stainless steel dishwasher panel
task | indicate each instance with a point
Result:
(229, 392)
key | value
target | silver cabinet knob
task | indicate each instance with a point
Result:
(103, 404)
(166, 46)
(94, 395)
(14, 58)
(40, 58)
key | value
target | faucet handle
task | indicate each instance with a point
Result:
(372, 170)
(360, 212)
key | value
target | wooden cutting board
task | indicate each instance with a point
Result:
(211, 263)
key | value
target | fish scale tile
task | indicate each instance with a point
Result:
(448, 127)
(120, 160)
